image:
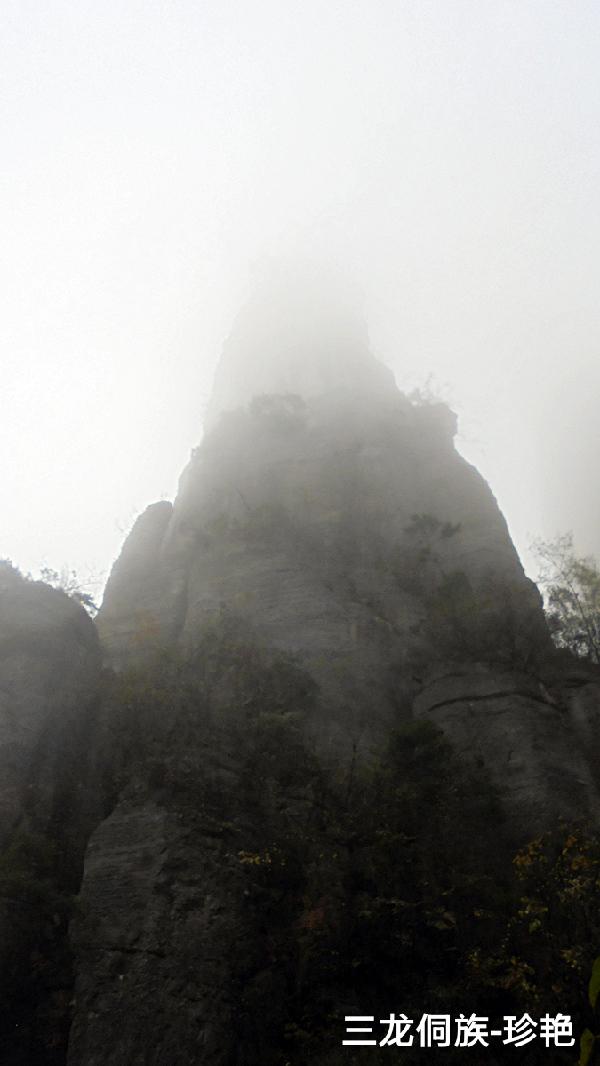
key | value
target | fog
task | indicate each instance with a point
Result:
(158, 155)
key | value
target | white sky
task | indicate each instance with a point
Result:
(153, 153)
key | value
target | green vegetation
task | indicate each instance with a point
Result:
(590, 1038)
(392, 888)
(490, 623)
(492, 620)
(390, 885)
(389, 897)
(67, 581)
(430, 393)
(571, 587)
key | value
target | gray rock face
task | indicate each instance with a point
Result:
(158, 946)
(49, 672)
(535, 739)
(136, 590)
(334, 521)
(328, 521)
(325, 526)
(170, 936)
(50, 665)
(140, 925)
(331, 569)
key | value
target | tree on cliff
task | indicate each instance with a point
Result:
(571, 588)
(67, 581)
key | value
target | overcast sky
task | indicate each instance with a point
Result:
(154, 153)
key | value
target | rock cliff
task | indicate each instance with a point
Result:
(328, 713)
(50, 679)
(337, 523)
(50, 662)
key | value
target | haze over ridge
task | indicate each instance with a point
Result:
(446, 154)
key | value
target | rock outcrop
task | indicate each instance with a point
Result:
(335, 523)
(252, 798)
(50, 664)
(537, 738)
(50, 688)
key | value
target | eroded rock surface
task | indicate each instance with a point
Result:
(332, 580)
(536, 739)
(328, 528)
(49, 670)
(50, 679)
